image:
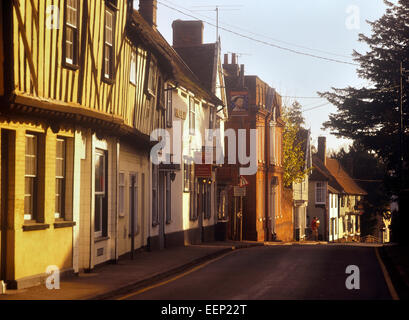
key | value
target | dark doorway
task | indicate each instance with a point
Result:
(6, 142)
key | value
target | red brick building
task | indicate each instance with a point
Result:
(253, 104)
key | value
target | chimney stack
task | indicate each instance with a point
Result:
(148, 10)
(233, 59)
(322, 149)
(241, 75)
(187, 33)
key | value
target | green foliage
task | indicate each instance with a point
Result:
(294, 161)
(370, 115)
(294, 114)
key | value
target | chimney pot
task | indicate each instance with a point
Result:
(233, 58)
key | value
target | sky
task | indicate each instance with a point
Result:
(329, 27)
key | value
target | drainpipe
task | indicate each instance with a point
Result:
(133, 217)
(91, 197)
(116, 200)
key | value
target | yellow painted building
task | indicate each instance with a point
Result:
(82, 86)
(78, 92)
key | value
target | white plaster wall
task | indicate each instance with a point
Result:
(132, 161)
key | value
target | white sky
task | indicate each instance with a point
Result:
(316, 24)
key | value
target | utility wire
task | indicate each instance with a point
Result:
(267, 37)
(294, 97)
(261, 41)
(320, 106)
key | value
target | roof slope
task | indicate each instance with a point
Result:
(347, 183)
(171, 59)
(201, 60)
(321, 173)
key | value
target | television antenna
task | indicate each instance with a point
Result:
(217, 8)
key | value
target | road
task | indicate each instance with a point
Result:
(294, 272)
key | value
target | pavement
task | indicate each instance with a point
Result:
(147, 267)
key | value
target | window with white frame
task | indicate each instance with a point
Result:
(192, 116)
(320, 192)
(152, 77)
(169, 107)
(31, 177)
(155, 211)
(272, 143)
(121, 194)
(168, 198)
(194, 190)
(132, 75)
(211, 117)
(108, 67)
(101, 207)
(186, 177)
(60, 178)
(208, 200)
(71, 41)
(133, 203)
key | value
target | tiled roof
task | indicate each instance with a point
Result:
(201, 60)
(321, 173)
(345, 180)
(182, 73)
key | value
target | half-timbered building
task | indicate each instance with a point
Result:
(83, 84)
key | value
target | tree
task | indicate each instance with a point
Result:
(293, 162)
(294, 114)
(370, 115)
(368, 171)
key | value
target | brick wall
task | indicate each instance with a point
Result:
(285, 225)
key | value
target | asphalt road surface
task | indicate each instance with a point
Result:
(279, 273)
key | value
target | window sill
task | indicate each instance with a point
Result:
(73, 67)
(109, 81)
(35, 226)
(100, 239)
(64, 224)
(155, 224)
(169, 222)
(150, 93)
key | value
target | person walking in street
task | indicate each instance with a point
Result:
(314, 228)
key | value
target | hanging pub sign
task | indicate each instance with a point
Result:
(239, 101)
